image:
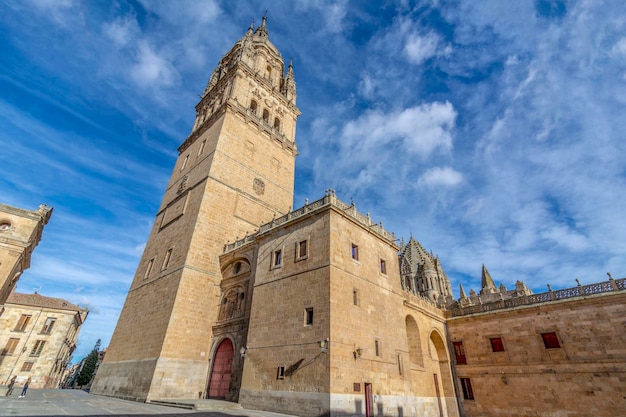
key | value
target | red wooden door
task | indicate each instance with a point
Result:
(369, 409)
(220, 374)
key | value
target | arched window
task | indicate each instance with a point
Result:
(268, 72)
(277, 123)
(266, 116)
(253, 106)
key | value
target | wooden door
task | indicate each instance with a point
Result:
(220, 374)
(369, 406)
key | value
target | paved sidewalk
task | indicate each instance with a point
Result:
(55, 402)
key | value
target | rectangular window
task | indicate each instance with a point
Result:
(466, 384)
(149, 268)
(280, 373)
(166, 260)
(459, 352)
(277, 258)
(383, 267)
(308, 316)
(355, 252)
(400, 364)
(355, 296)
(301, 250)
(27, 366)
(39, 344)
(496, 344)
(550, 340)
(47, 327)
(22, 323)
(9, 348)
(377, 347)
(356, 387)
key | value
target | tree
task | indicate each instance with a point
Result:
(89, 366)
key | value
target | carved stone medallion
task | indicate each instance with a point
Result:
(258, 186)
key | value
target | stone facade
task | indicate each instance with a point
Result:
(317, 311)
(560, 353)
(20, 232)
(37, 336)
(330, 329)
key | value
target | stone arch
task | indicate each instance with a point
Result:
(238, 266)
(276, 123)
(416, 355)
(253, 106)
(439, 353)
(266, 115)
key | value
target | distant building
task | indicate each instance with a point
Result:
(20, 232)
(318, 311)
(37, 337)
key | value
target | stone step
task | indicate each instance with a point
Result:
(198, 405)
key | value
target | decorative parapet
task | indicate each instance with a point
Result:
(418, 302)
(612, 285)
(329, 199)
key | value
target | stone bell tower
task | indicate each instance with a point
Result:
(234, 172)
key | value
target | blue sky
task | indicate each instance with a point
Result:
(491, 131)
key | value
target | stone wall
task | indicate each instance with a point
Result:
(584, 376)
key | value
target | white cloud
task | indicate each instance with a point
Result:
(122, 30)
(440, 176)
(152, 69)
(335, 14)
(420, 48)
(421, 129)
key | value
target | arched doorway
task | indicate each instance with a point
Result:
(220, 373)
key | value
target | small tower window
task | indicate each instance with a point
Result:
(266, 116)
(268, 72)
(253, 106)
(149, 268)
(277, 123)
(184, 165)
(308, 316)
(166, 260)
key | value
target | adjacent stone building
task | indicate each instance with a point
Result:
(318, 310)
(558, 353)
(37, 337)
(20, 232)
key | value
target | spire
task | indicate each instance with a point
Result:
(462, 292)
(290, 70)
(261, 31)
(487, 281)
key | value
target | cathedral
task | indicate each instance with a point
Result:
(319, 311)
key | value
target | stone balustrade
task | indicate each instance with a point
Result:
(579, 291)
(329, 199)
